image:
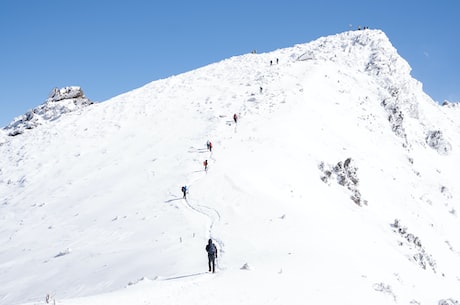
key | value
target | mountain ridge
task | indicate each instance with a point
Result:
(335, 166)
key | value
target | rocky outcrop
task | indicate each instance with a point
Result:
(59, 102)
(436, 140)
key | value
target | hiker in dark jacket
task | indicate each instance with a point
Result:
(184, 191)
(212, 255)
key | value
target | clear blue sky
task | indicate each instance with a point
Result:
(111, 47)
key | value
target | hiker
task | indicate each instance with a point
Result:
(261, 89)
(212, 255)
(209, 145)
(277, 60)
(271, 62)
(184, 191)
(205, 163)
(235, 118)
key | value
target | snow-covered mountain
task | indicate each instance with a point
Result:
(336, 185)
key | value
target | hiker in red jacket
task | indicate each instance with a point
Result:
(205, 163)
(209, 145)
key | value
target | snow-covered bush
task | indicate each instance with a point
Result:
(445, 191)
(448, 302)
(62, 253)
(346, 175)
(245, 267)
(385, 288)
(421, 257)
(436, 140)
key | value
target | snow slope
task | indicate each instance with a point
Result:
(337, 185)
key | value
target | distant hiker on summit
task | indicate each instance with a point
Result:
(212, 255)
(205, 163)
(235, 118)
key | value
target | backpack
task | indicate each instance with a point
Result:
(211, 249)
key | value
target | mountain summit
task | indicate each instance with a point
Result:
(335, 185)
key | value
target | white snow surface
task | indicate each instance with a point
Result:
(336, 186)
